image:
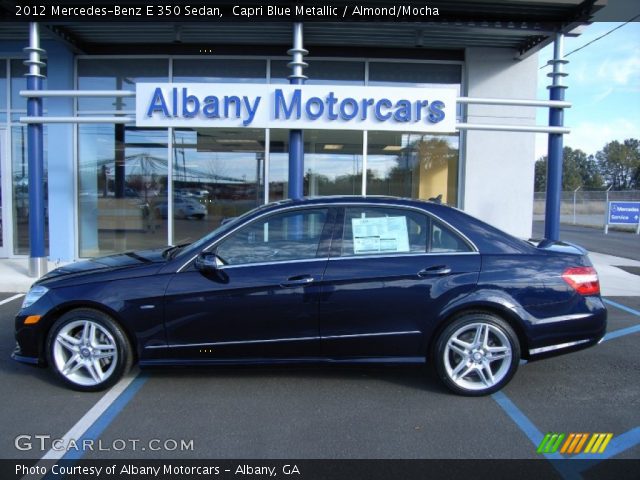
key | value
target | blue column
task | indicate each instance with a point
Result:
(35, 158)
(554, 168)
(296, 140)
(296, 158)
(554, 153)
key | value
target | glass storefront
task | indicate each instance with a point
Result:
(217, 174)
(413, 165)
(144, 188)
(122, 185)
(332, 163)
(19, 162)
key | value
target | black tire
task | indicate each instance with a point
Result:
(102, 357)
(476, 369)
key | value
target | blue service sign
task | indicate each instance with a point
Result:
(236, 105)
(624, 213)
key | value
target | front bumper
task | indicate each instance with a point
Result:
(19, 357)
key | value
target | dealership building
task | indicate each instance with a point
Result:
(153, 135)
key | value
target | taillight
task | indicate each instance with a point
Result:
(583, 280)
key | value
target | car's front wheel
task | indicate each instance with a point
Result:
(88, 350)
(477, 354)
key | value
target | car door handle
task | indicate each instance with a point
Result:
(297, 281)
(434, 271)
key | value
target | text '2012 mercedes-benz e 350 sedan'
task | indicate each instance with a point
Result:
(333, 279)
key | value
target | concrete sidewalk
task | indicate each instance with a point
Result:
(614, 282)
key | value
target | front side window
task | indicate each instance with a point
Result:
(281, 237)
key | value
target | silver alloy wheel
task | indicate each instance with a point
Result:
(85, 352)
(477, 356)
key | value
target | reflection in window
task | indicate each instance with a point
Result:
(20, 180)
(220, 71)
(3, 91)
(322, 72)
(122, 185)
(332, 163)
(282, 237)
(413, 165)
(120, 74)
(217, 174)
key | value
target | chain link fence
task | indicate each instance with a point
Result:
(584, 207)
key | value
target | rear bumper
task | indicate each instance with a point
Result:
(560, 335)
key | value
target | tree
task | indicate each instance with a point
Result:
(578, 170)
(620, 164)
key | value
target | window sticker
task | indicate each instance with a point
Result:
(380, 235)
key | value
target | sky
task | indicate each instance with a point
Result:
(604, 87)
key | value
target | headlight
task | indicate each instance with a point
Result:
(34, 295)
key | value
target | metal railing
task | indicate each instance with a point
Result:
(584, 207)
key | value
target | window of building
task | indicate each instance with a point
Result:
(332, 163)
(321, 72)
(116, 74)
(122, 188)
(3, 91)
(217, 174)
(219, 71)
(413, 165)
(20, 181)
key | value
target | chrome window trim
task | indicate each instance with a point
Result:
(257, 264)
(276, 340)
(343, 205)
(401, 255)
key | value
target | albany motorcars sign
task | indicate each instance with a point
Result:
(233, 105)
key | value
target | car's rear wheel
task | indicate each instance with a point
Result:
(477, 354)
(88, 350)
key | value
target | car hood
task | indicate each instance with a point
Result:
(110, 262)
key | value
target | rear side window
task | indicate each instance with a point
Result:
(444, 240)
(388, 230)
(376, 231)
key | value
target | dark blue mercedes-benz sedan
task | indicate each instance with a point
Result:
(332, 279)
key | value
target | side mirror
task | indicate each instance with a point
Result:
(208, 262)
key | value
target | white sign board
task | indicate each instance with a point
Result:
(237, 105)
(380, 235)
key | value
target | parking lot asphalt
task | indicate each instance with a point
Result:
(620, 243)
(336, 412)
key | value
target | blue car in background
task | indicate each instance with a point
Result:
(332, 279)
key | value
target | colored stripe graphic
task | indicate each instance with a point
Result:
(550, 442)
(598, 442)
(574, 442)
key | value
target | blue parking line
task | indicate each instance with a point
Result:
(522, 422)
(621, 307)
(100, 425)
(618, 444)
(621, 332)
